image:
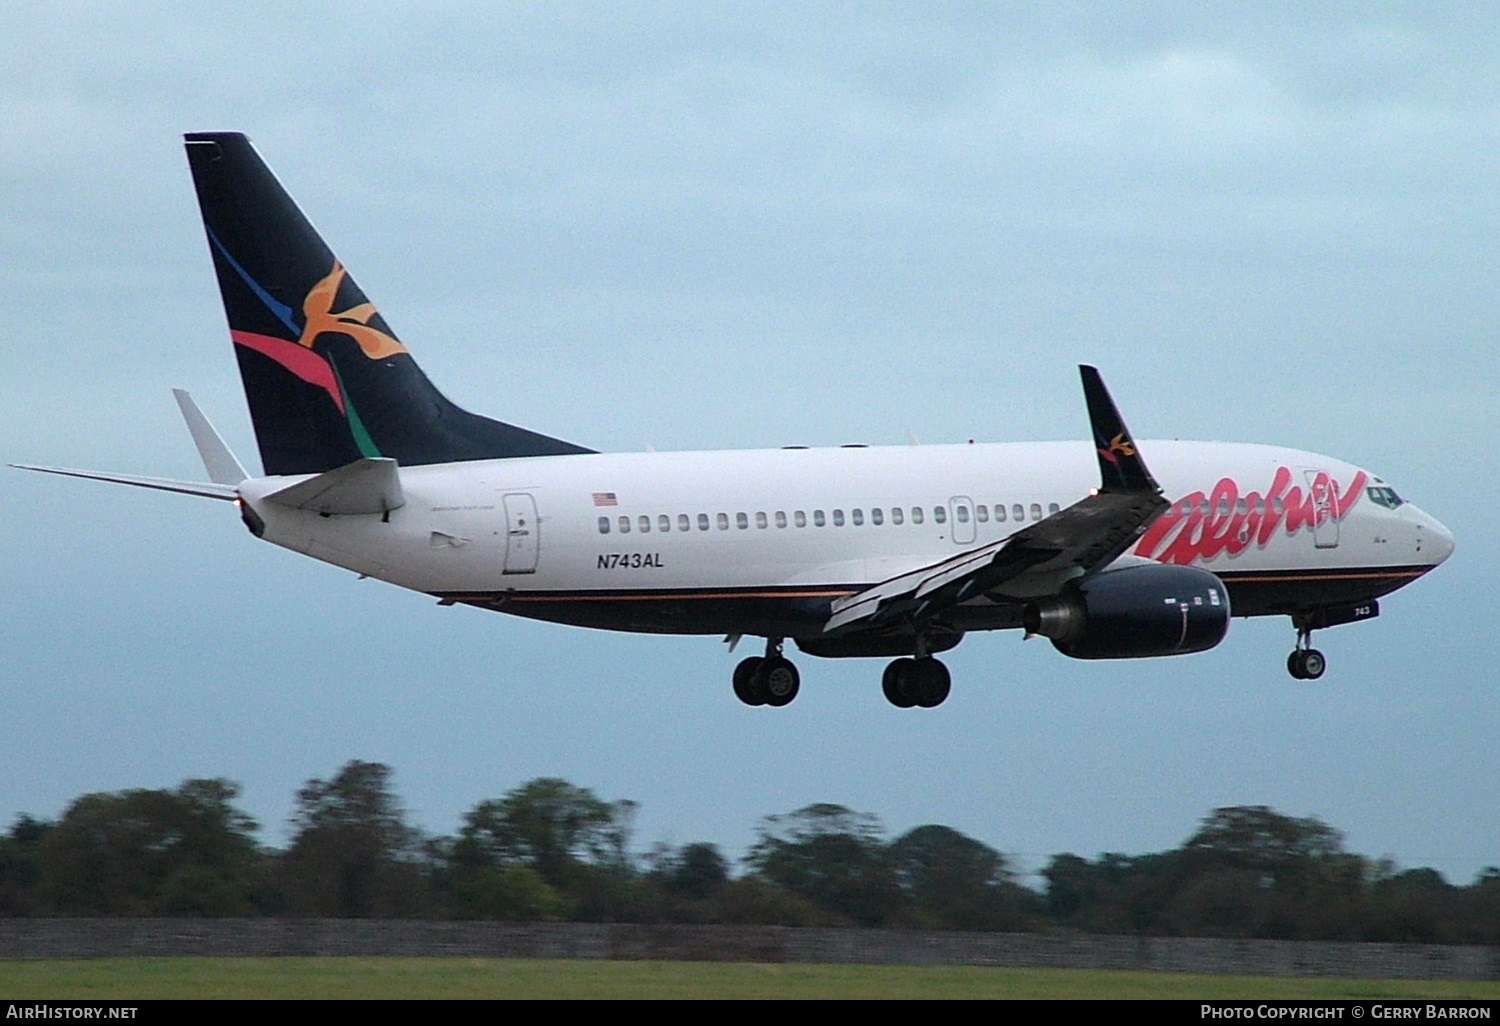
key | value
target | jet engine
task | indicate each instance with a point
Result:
(1135, 611)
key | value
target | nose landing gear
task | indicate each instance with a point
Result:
(1305, 662)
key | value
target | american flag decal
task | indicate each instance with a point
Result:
(605, 499)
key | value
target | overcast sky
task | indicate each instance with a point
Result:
(713, 225)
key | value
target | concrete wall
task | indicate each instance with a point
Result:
(97, 938)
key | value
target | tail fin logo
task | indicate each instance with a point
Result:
(319, 318)
(1118, 444)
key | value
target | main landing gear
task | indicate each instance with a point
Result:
(1305, 662)
(923, 682)
(771, 679)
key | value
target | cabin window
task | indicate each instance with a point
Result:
(1036, 511)
(857, 517)
(1018, 512)
(961, 514)
(683, 523)
(761, 522)
(1278, 507)
(916, 514)
(999, 512)
(722, 519)
(818, 519)
(1203, 507)
(1242, 506)
(838, 518)
(801, 518)
(1187, 507)
(604, 525)
(982, 514)
(703, 521)
(940, 514)
(1051, 508)
(781, 518)
(663, 523)
(896, 515)
(645, 524)
(624, 525)
(742, 521)
(877, 517)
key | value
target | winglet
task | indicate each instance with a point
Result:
(1121, 468)
(220, 463)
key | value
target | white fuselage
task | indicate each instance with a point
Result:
(761, 541)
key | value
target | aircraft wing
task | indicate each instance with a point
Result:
(1087, 535)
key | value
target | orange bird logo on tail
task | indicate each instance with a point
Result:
(317, 308)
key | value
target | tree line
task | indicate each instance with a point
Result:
(550, 851)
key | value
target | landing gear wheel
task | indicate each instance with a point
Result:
(933, 682)
(1306, 664)
(916, 682)
(777, 679)
(895, 682)
(746, 689)
(1313, 664)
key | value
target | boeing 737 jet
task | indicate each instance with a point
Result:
(895, 553)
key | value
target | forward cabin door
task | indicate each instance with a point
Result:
(1325, 503)
(521, 534)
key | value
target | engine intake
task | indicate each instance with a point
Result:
(1134, 612)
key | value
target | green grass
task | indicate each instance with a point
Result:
(144, 978)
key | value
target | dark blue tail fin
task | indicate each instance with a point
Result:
(327, 380)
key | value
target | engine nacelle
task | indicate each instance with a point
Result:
(1133, 612)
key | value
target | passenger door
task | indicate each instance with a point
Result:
(1325, 502)
(521, 534)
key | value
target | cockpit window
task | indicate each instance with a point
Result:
(1384, 495)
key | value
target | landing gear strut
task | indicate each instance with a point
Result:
(1305, 662)
(923, 682)
(771, 679)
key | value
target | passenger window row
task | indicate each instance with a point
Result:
(896, 515)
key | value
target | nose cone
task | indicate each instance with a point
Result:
(1434, 541)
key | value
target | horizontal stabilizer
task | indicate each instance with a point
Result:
(365, 486)
(161, 484)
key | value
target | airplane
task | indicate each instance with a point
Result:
(890, 552)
